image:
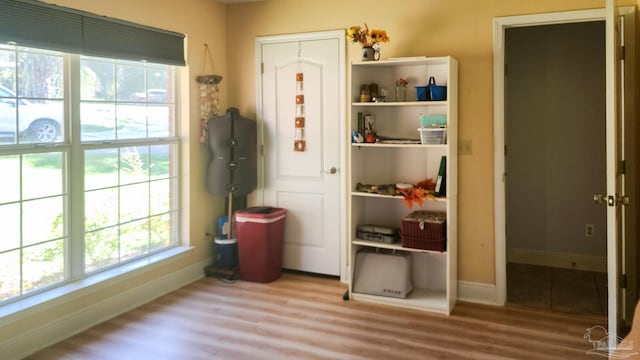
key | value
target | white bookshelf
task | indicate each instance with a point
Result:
(433, 272)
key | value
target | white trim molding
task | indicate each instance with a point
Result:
(476, 292)
(558, 259)
(500, 24)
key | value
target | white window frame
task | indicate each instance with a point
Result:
(73, 185)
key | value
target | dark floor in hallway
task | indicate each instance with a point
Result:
(567, 290)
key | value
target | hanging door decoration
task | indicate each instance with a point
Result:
(299, 142)
(209, 96)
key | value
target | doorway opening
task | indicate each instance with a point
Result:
(556, 244)
(622, 163)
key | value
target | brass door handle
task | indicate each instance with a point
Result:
(624, 200)
(611, 200)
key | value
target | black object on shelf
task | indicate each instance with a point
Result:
(441, 183)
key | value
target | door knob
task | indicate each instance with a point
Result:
(604, 199)
(333, 170)
(611, 200)
(624, 200)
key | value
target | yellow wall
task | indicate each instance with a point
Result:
(203, 21)
(460, 28)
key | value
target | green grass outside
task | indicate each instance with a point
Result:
(43, 264)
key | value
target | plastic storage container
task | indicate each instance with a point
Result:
(433, 136)
(260, 234)
(226, 253)
(433, 120)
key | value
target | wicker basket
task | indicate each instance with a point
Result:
(424, 230)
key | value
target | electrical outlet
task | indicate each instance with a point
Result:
(588, 230)
(464, 147)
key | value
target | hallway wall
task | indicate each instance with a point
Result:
(555, 136)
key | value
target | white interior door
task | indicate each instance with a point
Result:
(305, 180)
(628, 111)
(615, 178)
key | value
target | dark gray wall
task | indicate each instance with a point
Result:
(555, 136)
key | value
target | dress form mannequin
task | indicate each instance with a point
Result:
(233, 168)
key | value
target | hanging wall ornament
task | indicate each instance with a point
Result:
(209, 96)
(299, 142)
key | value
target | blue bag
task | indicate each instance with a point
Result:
(436, 92)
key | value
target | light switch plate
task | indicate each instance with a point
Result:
(464, 147)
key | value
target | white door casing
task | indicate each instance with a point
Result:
(302, 181)
(500, 25)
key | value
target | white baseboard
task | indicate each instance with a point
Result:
(477, 292)
(558, 259)
(53, 332)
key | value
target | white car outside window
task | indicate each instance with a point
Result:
(34, 122)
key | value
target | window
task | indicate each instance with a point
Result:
(31, 96)
(88, 166)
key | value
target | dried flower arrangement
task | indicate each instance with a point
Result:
(366, 37)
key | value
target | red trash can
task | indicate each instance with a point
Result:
(260, 236)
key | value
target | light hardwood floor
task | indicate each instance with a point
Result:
(304, 317)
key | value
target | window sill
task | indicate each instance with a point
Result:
(65, 293)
